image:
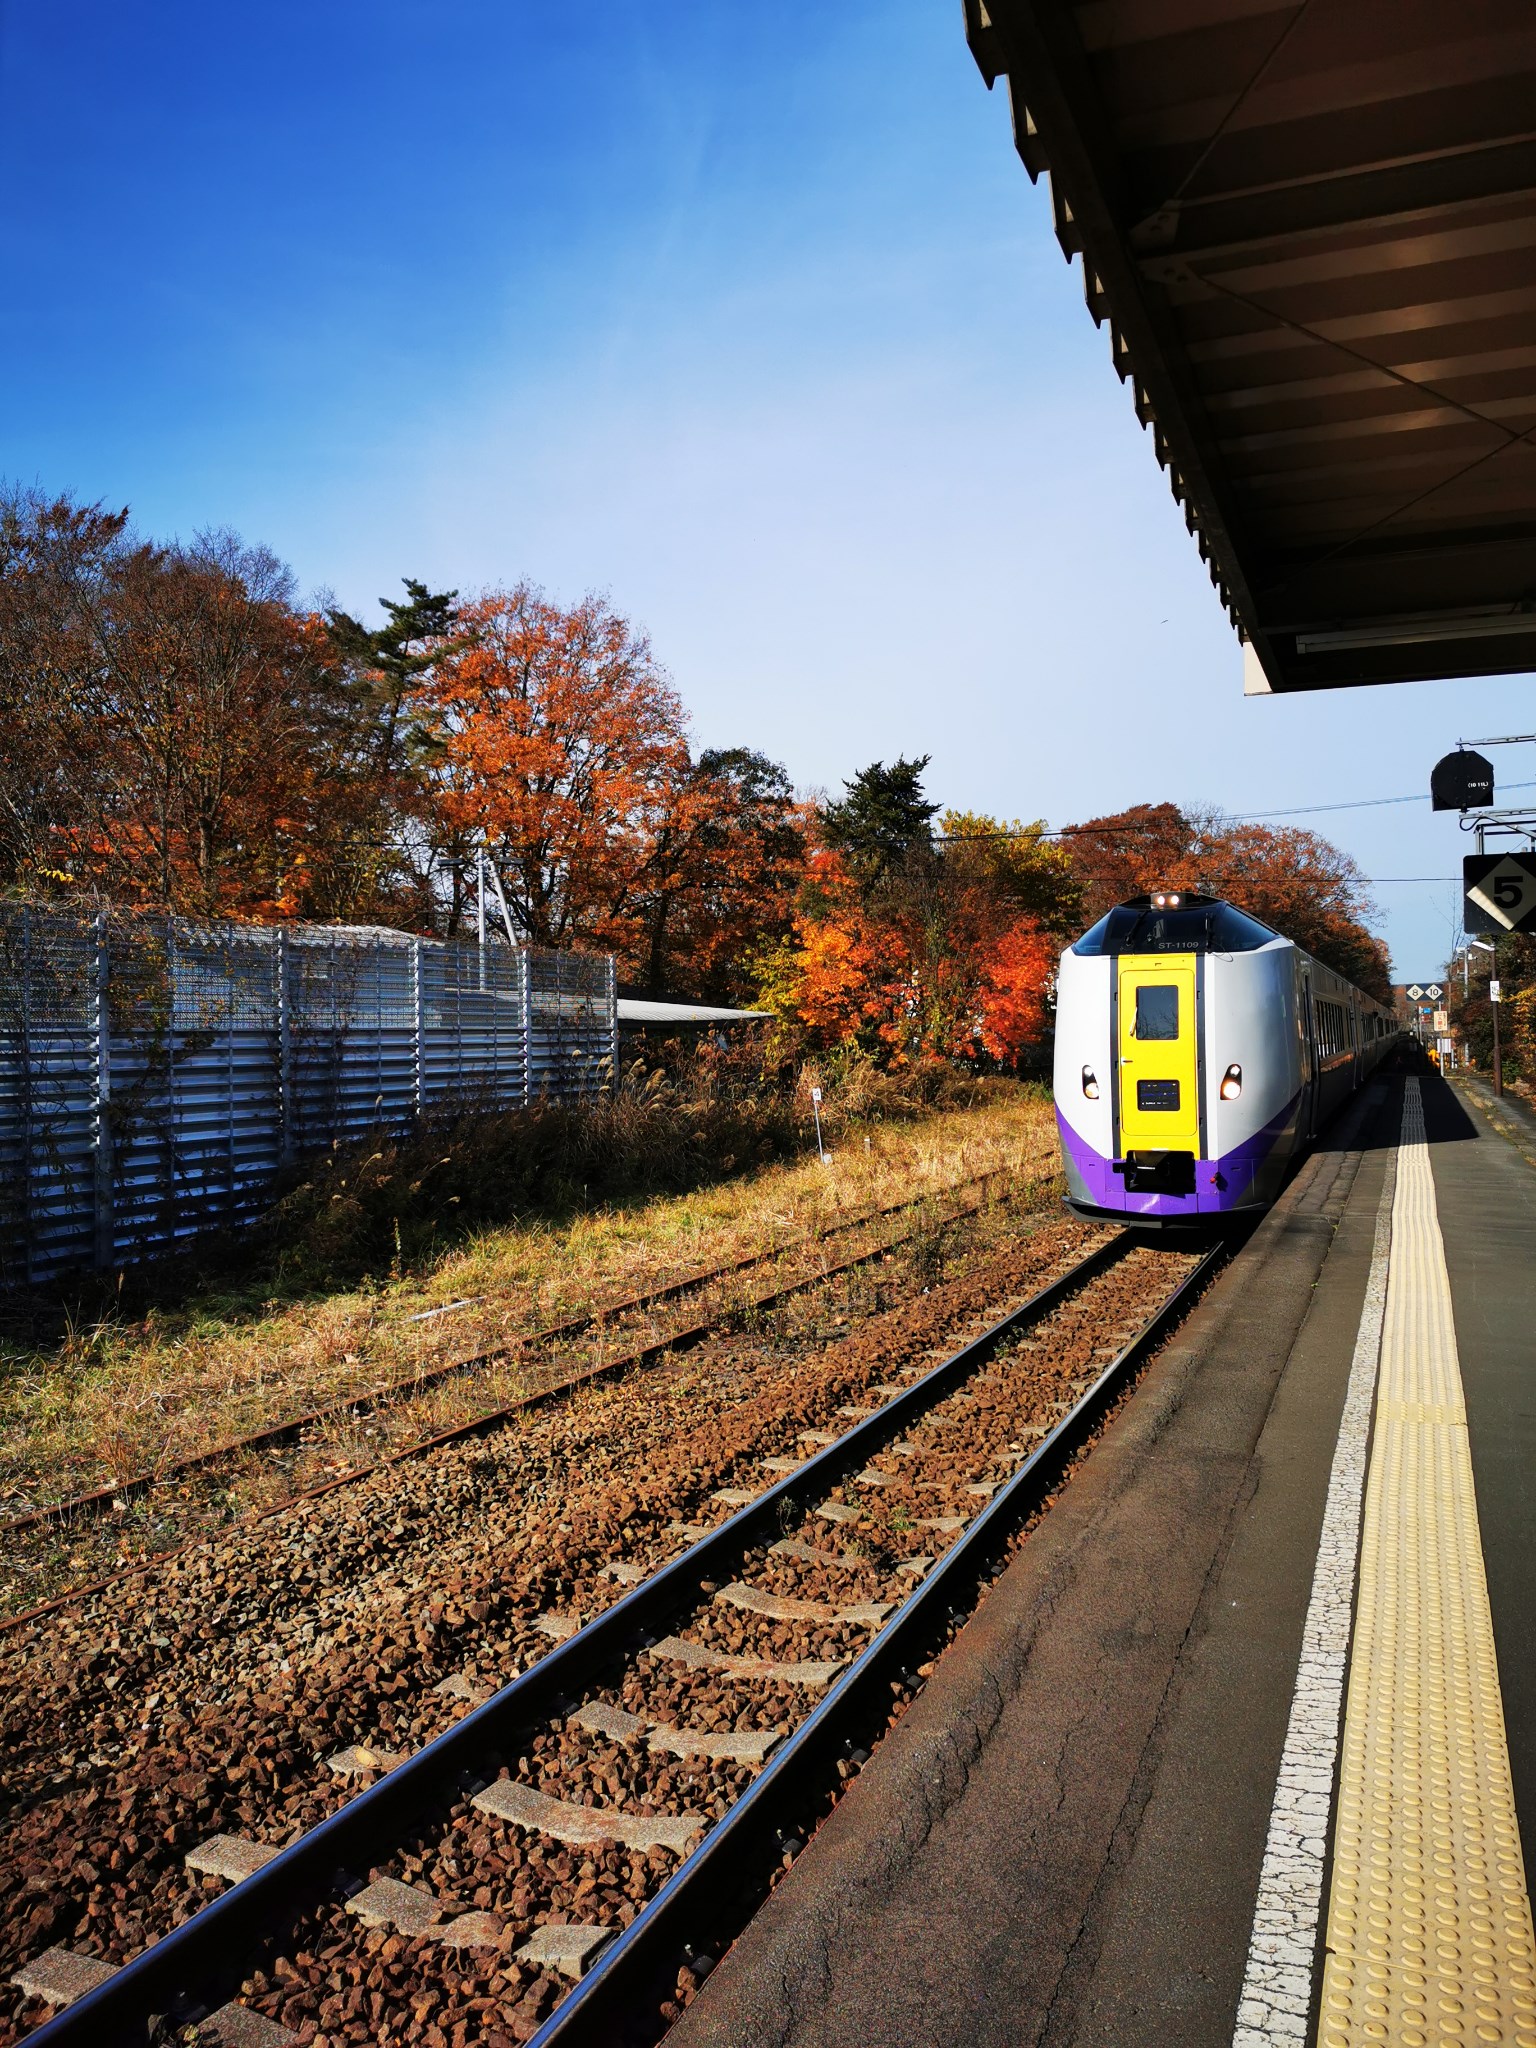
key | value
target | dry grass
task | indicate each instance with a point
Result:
(115, 1397)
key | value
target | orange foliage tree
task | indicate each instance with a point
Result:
(1296, 881)
(1305, 887)
(552, 736)
(1015, 975)
(914, 945)
(1126, 853)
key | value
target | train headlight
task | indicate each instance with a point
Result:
(1232, 1083)
(1090, 1084)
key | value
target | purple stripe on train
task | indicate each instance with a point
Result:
(1250, 1173)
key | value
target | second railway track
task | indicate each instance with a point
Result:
(538, 1870)
(366, 1401)
(391, 1406)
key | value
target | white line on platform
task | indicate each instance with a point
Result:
(1277, 1984)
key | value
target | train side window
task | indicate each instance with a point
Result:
(1157, 1012)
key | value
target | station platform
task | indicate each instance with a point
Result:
(1242, 1746)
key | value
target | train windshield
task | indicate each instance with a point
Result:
(1198, 925)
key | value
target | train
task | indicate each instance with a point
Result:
(1198, 1052)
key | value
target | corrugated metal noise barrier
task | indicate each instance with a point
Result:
(155, 1073)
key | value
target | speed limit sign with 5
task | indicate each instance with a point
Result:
(1500, 891)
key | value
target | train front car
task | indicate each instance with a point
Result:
(1180, 1062)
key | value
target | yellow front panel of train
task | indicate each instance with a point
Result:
(1159, 1074)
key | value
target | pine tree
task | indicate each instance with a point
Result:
(883, 819)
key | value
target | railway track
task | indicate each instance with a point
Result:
(100, 1503)
(106, 1499)
(556, 1864)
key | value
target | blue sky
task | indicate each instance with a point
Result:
(748, 316)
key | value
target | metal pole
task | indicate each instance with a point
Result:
(480, 910)
(418, 1008)
(285, 1106)
(524, 966)
(611, 994)
(24, 1095)
(105, 1244)
(1498, 1057)
(506, 915)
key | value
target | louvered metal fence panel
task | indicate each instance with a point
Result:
(572, 1025)
(50, 1214)
(474, 1038)
(155, 1074)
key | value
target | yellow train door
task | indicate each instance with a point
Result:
(1159, 1074)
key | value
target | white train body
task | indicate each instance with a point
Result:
(1197, 1052)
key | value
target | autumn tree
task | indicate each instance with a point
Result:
(53, 555)
(218, 716)
(1296, 881)
(1016, 972)
(914, 946)
(730, 853)
(1303, 886)
(1017, 865)
(1126, 853)
(180, 734)
(552, 736)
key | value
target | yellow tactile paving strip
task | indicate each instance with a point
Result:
(1429, 1920)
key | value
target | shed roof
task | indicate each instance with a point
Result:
(641, 1010)
(1310, 231)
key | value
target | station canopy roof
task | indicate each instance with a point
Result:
(1310, 231)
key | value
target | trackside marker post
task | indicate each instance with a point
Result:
(821, 1151)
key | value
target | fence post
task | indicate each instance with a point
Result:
(525, 967)
(284, 1052)
(101, 1022)
(24, 1096)
(419, 1018)
(171, 1127)
(613, 1024)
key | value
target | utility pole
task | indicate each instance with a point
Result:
(1494, 993)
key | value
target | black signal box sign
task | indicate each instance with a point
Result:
(1462, 781)
(1500, 891)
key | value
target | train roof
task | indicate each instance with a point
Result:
(1177, 922)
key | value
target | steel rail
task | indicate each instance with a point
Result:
(194, 1967)
(101, 1500)
(675, 1342)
